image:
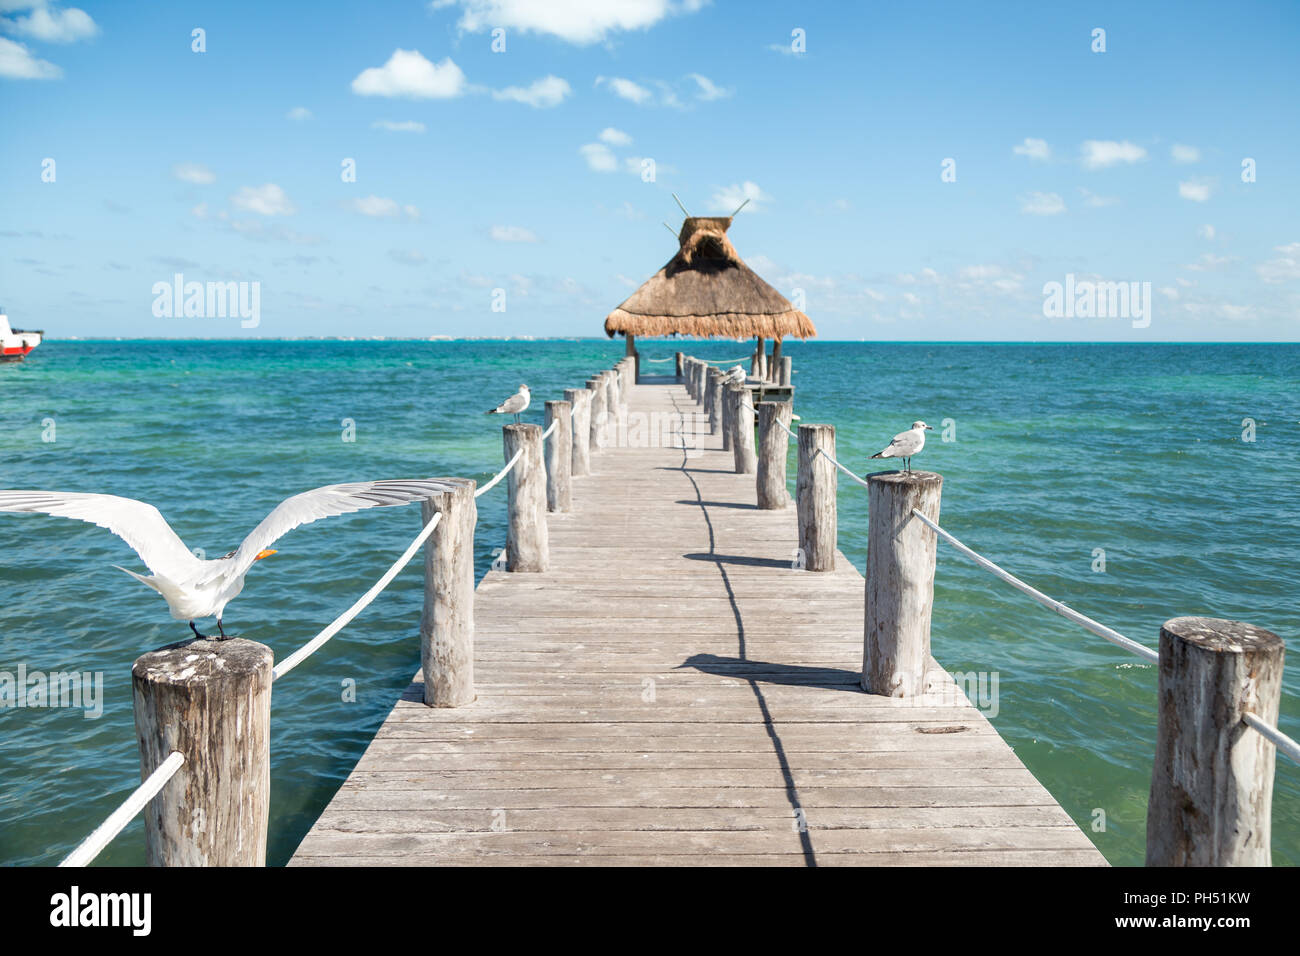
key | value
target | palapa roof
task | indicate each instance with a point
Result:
(706, 290)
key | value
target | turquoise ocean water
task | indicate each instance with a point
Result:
(1059, 450)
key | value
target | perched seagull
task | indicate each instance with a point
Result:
(906, 444)
(737, 374)
(194, 587)
(515, 405)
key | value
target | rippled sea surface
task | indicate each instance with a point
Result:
(1055, 452)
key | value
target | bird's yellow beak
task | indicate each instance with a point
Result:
(264, 554)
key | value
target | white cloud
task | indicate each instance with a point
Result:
(1185, 154)
(726, 198)
(406, 126)
(1285, 267)
(599, 157)
(625, 88)
(409, 74)
(513, 234)
(1098, 153)
(195, 173)
(1209, 262)
(298, 114)
(614, 137)
(577, 21)
(708, 90)
(379, 207)
(1042, 204)
(1033, 148)
(17, 62)
(1092, 199)
(200, 211)
(1206, 231)
(1197, 190)
(265, 200)
(49, 23)
(546, 92)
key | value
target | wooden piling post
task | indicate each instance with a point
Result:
(773, 452)
(559, 457)
(774, 366)
(613, 410)
(580, 399)
(787, 371)
(742, 430)
(596, 415)
(713, 400)
(696, 366)
(815, 490)
(527, 540)
(678, 357)
(1212, 779)
(447, 624)
(900, 581)
(210, 700)
(725, 413)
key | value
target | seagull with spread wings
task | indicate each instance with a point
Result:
(192, 586)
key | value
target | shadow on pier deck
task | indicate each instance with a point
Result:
(672, 692)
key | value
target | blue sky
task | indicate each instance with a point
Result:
(521, 170)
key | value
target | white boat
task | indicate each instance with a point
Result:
(16, 343)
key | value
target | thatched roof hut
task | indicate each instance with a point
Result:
(706, 290)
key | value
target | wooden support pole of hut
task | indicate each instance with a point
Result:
(713, 399)
(1212, 780)
(678, 357)
(900, 581)
(631, 352)
(774, 367)
(742, 430)
(815, 489)
(773, 452)
(447, 624)
(559, 457)
(688, 374)
(211, 701)
(596, 414)
(759, 359)
(787, 371)
(580, 399)
(527, 539)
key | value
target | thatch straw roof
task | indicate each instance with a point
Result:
(706, 290)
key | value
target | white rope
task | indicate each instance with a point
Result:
(1279, 739)
(300, 655)
(547, 434)
(859, 480)
(103, 834)
(723, 361)
(500, 474)
(661, 360)
(1101, 630)
(1283, 743)
(787, 431)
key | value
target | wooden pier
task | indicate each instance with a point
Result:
(672, 691)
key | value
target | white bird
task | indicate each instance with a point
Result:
(737, 374)
(192, 586)
(906, 444)
(515, 405)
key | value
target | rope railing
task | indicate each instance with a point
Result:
(500, 474)
(1283, 743)
(1275, 736)
(547, 434)
(340, 622)
(103, 834)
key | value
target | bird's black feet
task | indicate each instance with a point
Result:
(222, 631)
(201, 637)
